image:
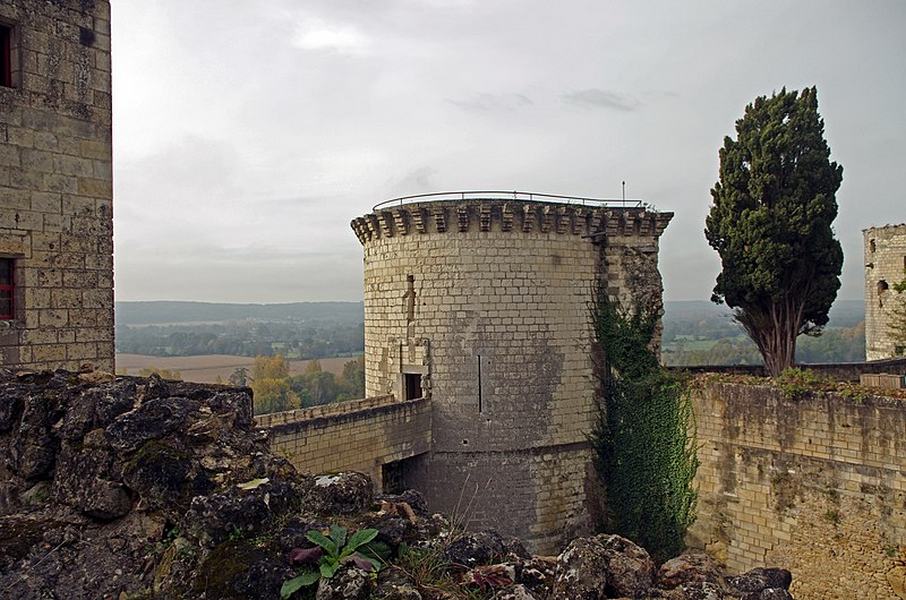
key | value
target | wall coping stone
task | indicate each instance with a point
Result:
(334, 409)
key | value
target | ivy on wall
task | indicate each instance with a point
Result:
(644, 440)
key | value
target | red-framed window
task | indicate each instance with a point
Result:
(7, 289)
(6, 55)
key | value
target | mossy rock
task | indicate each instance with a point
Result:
(237, 570)
(226, 563)
(165, 475)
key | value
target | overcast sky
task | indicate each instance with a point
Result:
(247, 134)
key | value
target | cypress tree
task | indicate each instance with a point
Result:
(770, 222)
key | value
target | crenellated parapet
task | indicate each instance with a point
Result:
(595, 222)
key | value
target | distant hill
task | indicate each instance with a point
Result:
(695, 332)
(843, 313)
(166, 311)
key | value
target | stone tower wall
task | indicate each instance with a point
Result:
(56, 184)
(488, 301)
(885, 265)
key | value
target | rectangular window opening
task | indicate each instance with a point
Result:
(6, 55)
(392, 477)
(7, 289)
(412, 384)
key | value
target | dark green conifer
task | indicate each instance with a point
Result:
(770, 221)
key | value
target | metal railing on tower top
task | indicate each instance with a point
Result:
(502, 195)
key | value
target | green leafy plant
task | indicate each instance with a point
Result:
(329, 553)
(644, 440)
(798, 383)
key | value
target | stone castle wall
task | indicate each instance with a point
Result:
(488, 303)
(361, 435)
(885, 265)
(815, 484)
(844, 371)
(56, 220)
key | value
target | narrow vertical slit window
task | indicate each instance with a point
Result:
(7, 289)
(480, 407)
(6, 55)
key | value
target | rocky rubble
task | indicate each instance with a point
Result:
(128, 489)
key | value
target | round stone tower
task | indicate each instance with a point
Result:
(483, 305)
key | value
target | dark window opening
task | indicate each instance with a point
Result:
(7, 289)
(871, 245)
(882, 287)
(412, 386)
(392, 478)
(6, 55)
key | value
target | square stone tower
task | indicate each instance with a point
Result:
(56, 193)
(885, 266)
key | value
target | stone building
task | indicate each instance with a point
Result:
(483, 305)
(885, 266)
(56, 222)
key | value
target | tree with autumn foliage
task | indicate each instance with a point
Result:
(270, 385)
(771, 223)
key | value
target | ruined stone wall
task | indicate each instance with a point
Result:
(815, 484)
(885, 265)
(56, 184)
(488, 302)
(360, 435)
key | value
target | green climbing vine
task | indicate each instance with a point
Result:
(644, 440)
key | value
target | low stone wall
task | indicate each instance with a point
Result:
(815, 484)
(360, 435)
(555, 480)
(836, 371)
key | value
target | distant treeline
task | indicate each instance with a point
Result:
(695, 333)
(293, 340)
(167, 311)
(275, 390)
(297, 330)
(836, 344)
(703, 333)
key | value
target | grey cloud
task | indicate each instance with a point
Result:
(416, 181)
(259, 254)
(493, 102)
(598, 98)
(226, 153)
